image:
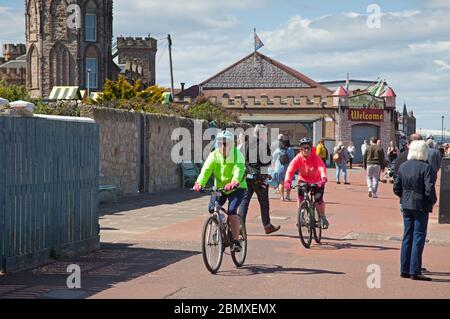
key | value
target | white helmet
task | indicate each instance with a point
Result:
(225, 135)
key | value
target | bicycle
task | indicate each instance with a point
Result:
(217, 236)
(309, 221)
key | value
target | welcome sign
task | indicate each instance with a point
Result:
(370, 115)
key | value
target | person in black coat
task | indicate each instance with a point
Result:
(258, 159)
(415, 185)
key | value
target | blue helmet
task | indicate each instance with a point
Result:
(225, 136)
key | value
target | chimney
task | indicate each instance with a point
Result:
(182, 86)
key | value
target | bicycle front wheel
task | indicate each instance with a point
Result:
(317, 226)
(239, 258)
(304, 225)
(212, 245)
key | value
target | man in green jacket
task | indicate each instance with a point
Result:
(227, 164)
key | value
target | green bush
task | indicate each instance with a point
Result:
(59, 108)
(14, 92)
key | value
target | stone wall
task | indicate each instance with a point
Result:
(119, 146)
(136, 148)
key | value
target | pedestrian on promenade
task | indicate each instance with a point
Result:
(322, 151)
(416, 188)
(351, 149)
(258, 159)
(373, 163)
(434, 158)
(341, 157)
(364, 147)
(393, 152)
(281, 160)
(403, 157)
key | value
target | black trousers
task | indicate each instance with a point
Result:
(263, 199)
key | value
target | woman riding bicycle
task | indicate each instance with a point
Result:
(312, 170)
(227, 164)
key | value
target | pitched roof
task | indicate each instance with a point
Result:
(389, 93)
(340, 92)
(266, 73)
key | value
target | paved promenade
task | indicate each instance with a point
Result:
(151, 249)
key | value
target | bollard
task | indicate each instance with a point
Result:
(444, 198)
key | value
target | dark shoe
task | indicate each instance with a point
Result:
(236, 247)
(271, 229)
(403, 275)
(347, 183)
(339, 183)
(424, 269)
(420, 277)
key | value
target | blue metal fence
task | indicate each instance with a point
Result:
(48, 189)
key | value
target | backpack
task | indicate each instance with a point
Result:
(284, 157)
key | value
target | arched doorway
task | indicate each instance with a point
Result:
(361, 132)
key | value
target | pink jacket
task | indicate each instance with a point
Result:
(312, 169)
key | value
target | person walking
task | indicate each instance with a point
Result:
(393, 152)
(282, 157)
(416, 188)
(364, 147)
(258, 159)
(374, 163)
(322, 152)
(341, 157)
(434, 158)
(351, 149)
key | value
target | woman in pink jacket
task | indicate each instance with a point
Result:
(311, 170)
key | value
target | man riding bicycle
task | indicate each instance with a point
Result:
(227, 164)
(312, 170)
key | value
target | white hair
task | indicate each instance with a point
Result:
(418, 150)
(341, 144)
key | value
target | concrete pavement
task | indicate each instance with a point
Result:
(151, 245)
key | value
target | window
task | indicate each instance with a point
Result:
(92, 70)
(91, 27)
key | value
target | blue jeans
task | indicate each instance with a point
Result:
(341, 167)
(416, 224)
(234, 201)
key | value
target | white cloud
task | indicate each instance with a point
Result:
(444, 66)
(12, 25)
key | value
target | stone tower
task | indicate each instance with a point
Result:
(13, 51)
(67, 40)
(138, 55)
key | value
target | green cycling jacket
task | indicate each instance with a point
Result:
(225, 170)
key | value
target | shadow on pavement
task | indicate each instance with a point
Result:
(100, 270)
(335, 243)
(252, 270)
(148, 200)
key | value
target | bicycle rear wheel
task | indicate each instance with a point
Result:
(212, 245)
(317, 226)
(304, 225)
(239, 258)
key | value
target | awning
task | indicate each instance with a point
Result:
(65, 93)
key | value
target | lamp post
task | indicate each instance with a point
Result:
(88, 83)
(442, 136)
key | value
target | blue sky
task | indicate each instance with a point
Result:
(323, 39)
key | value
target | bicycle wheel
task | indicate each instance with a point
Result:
(212, 245)
(304, 225)
(317, 226)
(239, 258)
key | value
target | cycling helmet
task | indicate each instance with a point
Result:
(306, 141)
(225, 136)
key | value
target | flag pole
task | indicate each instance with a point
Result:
(254, 44)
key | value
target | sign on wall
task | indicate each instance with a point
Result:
(369, 115)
